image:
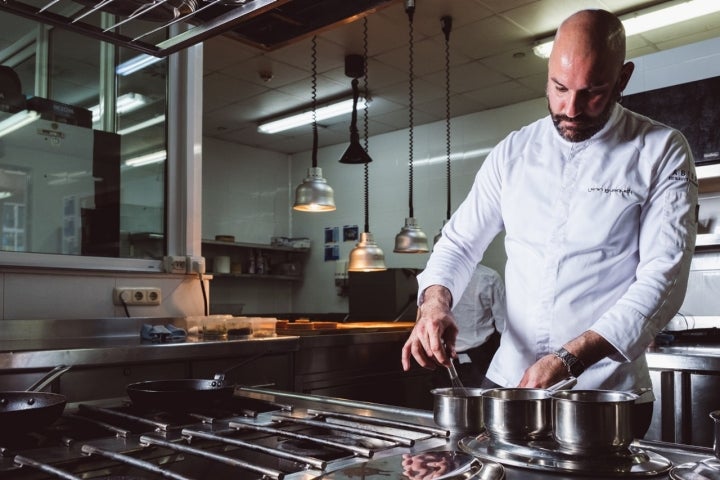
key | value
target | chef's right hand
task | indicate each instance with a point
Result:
(432, 340)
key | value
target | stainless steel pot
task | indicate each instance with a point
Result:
(458, 410)
(716, 444)
(586, 421)
(520, 413)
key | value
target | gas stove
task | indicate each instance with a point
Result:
(269, 434)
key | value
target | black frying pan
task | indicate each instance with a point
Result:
(184, 394)
(22, 412)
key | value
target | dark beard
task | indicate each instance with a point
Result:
(586, 128)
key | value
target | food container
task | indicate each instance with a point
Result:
(592, 421)
(215, 326)
(239, 328)
(263, 327)
(716, 444)
(458, 411)
(221, 264)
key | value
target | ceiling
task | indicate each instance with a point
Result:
(491, 65)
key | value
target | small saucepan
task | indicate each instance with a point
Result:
(25, 411)
(587, 421)
(520, 413)
(458, 410)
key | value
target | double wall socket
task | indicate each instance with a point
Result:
(137, 296)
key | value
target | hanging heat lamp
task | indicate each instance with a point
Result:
(411, 238)
(446, 23)
(367, 256)
(355, 153)
(314, 194)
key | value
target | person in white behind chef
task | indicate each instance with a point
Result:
(598, 205)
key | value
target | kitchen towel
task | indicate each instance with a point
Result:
(160, 333)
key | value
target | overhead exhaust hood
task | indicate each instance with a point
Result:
(148, 26)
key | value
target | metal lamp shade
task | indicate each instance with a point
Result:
(366, 256)
(411, 238)
(437, 237)
(314, 194)
(355, 153)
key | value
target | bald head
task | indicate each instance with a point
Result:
(592, 34)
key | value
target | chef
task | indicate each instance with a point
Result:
(598, 205)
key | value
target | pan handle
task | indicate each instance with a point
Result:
(220, 377)
(48, 378)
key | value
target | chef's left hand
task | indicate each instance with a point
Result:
(544, 373)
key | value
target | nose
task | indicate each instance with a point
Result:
(574, 105)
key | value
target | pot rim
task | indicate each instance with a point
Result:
(449, 392)
(594, 396)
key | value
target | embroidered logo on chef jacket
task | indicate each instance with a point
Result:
(610, 190)
(684, 176)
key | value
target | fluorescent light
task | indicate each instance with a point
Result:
(306, 117)
(651, 19)
(18, 120)
(125, 103)
(139, 126)
(135, 64)
(155, 157)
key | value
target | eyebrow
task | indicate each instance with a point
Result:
(589, 88)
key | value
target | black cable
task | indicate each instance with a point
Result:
(365, 124)
(125, 306)
(410, 10)
(446, 28)
(314, 101)
(206, 307)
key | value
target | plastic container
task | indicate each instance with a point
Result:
(263, 327)
(239, 328)
(215, 326)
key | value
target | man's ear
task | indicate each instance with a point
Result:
(625, 73)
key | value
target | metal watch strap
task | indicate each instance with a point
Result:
(573, 364)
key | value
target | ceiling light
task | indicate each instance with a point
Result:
(150, 158)
(139, 126)
(306, 117)
(651, 19)
(18, 120)
(411, 238)
(367, 256)
(135, 64)
(126, 103)
(314, 194)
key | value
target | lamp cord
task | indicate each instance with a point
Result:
(365, 125)
(410, 10)
(314, 102)
(446, 28)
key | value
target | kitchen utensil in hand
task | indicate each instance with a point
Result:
(457, 385)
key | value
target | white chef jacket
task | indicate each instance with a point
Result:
(480, 310)
(599, 236)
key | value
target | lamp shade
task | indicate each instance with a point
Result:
(411, 238)
(366, 256)
(314, 194)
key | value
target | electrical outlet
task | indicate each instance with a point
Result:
(137, 296)
(175, 264)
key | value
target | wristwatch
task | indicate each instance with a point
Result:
(573, 364)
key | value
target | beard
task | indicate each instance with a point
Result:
(583, 126)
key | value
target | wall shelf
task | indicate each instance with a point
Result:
(283, 263)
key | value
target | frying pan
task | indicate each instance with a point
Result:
(184, 394)
(22, 412)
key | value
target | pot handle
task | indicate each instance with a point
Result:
(48, 378)
(565, 384)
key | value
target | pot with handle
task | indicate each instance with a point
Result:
(458, 410)
(520, 413)
(586, 421)
(25, 411)
(185, 394)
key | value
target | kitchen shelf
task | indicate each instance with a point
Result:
(280, 259)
